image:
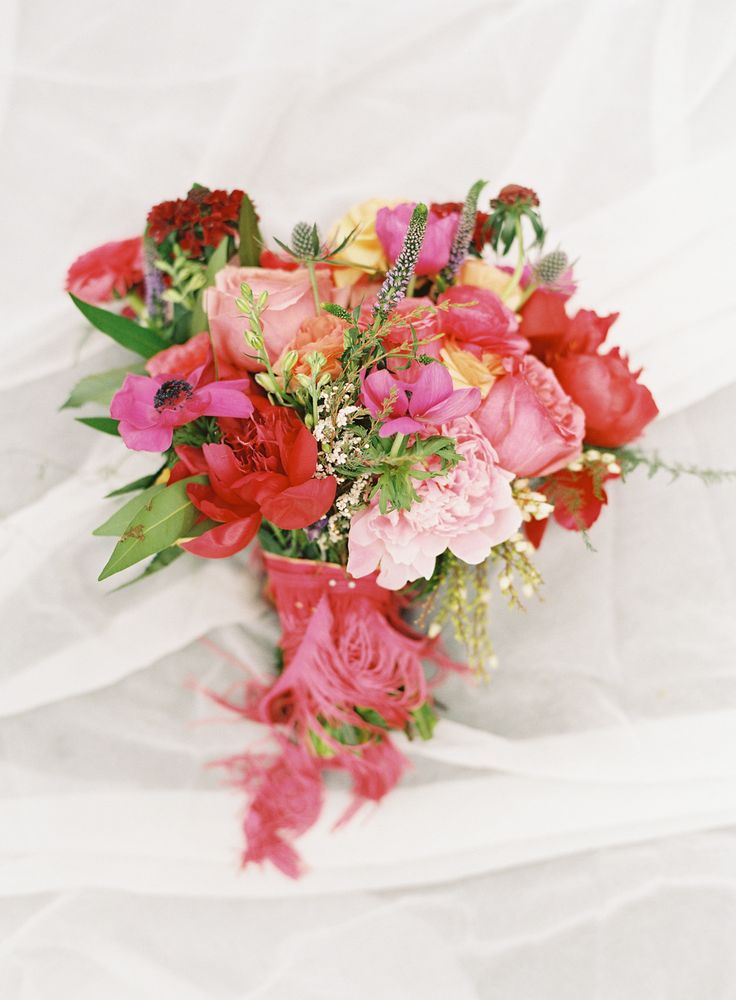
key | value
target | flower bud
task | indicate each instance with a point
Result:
(267, 382)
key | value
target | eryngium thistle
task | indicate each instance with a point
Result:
(305, 241)
(398, 277)
(552, 266)
(464, 234)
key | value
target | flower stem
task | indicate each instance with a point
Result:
(313, 282)
(398, 441)
(136, 303)
(518, 270)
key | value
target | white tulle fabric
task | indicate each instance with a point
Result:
(569, 832)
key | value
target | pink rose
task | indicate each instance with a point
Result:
(112, 268)
(391, 227)
(487, 325)
(468, 511)
(534, 426)
(290, 303)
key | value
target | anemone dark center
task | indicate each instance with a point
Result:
(175, 392)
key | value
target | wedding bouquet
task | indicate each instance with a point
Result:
(391, 414)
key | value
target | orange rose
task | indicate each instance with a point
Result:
(324, 333)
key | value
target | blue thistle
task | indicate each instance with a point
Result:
(398, 277)
(464, 234)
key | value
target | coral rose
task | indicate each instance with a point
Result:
(326, 334)
(468, 511)
(114, 268)
(290, 303)
(617, 407)
(530, 421)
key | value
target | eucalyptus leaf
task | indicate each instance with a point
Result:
(100, 388)
(136, 338)
(169, 516)
(120, 520)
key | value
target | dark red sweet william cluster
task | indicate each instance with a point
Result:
(200, 220)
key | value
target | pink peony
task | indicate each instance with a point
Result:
(290, 303)
(392, 224)
(468, 511)
(114, 268)
(148, 409)
(534, 426)
(487, 325)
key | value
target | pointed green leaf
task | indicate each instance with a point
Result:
(101, 387)
(251, 241)
(138, 484)
(169, 516)
(160, 561)
(105, 424)
(123, 330)
(120, 520)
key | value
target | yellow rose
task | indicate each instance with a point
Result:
(479, 274)
(468, 371)
(365, 248)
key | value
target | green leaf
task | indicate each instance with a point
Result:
(136, 338)
(138, 484)
(160, 561)
(120, 520)
(217, 261)
(425, 720)
(105, 424)
(251, 240)
(161, 523)
(100, 388)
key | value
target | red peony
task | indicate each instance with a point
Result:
(478, 319)
(264, 468)
(112, 269)
(617, 407)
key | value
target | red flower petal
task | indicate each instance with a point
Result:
(226, 539)
(301, 505)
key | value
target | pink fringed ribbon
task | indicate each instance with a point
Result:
(349, 661)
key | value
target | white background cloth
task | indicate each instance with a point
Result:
(570, 833)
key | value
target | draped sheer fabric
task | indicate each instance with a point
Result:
(569, 832)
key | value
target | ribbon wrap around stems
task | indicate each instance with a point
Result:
(353, 670)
